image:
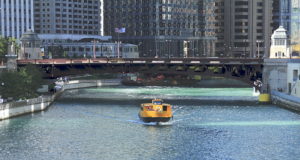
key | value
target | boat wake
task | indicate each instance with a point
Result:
(136, 121)
(151, 123)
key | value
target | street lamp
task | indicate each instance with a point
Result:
(224, 49)
(168, 47)
(138, 45)
(155, 41)
(245, 47)
(258, 41)
(230, 49)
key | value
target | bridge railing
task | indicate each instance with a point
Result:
(214, 61)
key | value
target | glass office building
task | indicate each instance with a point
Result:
(16, 17)
(243, 28)
(161, 28)
(295, 24)
(288, 15)
(82, 17)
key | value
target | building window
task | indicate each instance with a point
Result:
(279, 42)
(295, 75)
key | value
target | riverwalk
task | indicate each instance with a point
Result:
(13, 109)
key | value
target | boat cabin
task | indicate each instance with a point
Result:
(157, 111)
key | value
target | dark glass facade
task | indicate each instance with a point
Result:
(243, 28)
(161, 28)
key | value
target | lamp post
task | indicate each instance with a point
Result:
(224, 49)
(139, 46)
(245, 47)
(94, 49)
(156, 54)
(258, 42)
(168, 47)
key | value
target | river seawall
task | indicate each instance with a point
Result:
(13, 109)
(286, 101)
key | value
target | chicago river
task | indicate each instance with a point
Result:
(102, 123)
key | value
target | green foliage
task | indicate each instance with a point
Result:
(4, 44)
(57, 51)
(3, 47)
(22, 84)
(65, 55)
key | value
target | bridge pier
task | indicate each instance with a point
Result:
(275, 75)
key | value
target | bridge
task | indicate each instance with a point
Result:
(246, 70)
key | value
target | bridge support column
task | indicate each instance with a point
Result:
(275, 75)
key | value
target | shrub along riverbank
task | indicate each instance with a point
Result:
(20, 84)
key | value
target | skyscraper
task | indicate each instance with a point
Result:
(165, 28)
(82, 17)
(288, 16)
(295, 24)
(208, 24)
(243, 28)
(16, 17)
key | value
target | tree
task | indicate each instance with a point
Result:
(21, 84)
(3, 47)
(57, 51)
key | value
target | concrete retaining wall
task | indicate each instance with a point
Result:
(285, 100)
(13, 109)
(274, 75)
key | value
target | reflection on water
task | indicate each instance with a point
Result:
(169, 93)
(74, 128)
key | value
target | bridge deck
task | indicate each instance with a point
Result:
(178, 61)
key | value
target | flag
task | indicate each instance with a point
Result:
(120, 30)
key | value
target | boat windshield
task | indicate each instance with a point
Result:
(157, 102)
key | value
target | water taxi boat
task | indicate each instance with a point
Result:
(157, 111)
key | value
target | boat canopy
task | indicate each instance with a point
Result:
(157, 102)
